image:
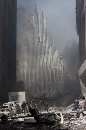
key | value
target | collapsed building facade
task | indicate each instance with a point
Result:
(39, 63)
(81, 30)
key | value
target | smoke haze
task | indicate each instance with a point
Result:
(61, 26)
(61, 19)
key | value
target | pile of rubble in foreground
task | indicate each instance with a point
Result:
(75, 123)
(69, 118)
(74, 117)
(78, 125)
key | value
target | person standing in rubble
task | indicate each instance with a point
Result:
(26, 108)
(76, 104)
(18, 109)
(78, 113)
(23, 106)
(84, 103)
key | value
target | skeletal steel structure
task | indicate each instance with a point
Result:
(39, 63)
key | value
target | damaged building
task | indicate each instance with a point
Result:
(39, 63)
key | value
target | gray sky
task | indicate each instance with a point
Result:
(61, 18)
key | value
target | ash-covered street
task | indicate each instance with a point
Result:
(26, 117)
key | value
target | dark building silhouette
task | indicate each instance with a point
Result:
(81, 30)
(8, 11)
(80, 24)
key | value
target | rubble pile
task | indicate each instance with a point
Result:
(29, 118)
(75, 123)
(78, 125)
(75, 115)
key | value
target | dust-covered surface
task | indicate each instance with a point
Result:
(72, 117)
